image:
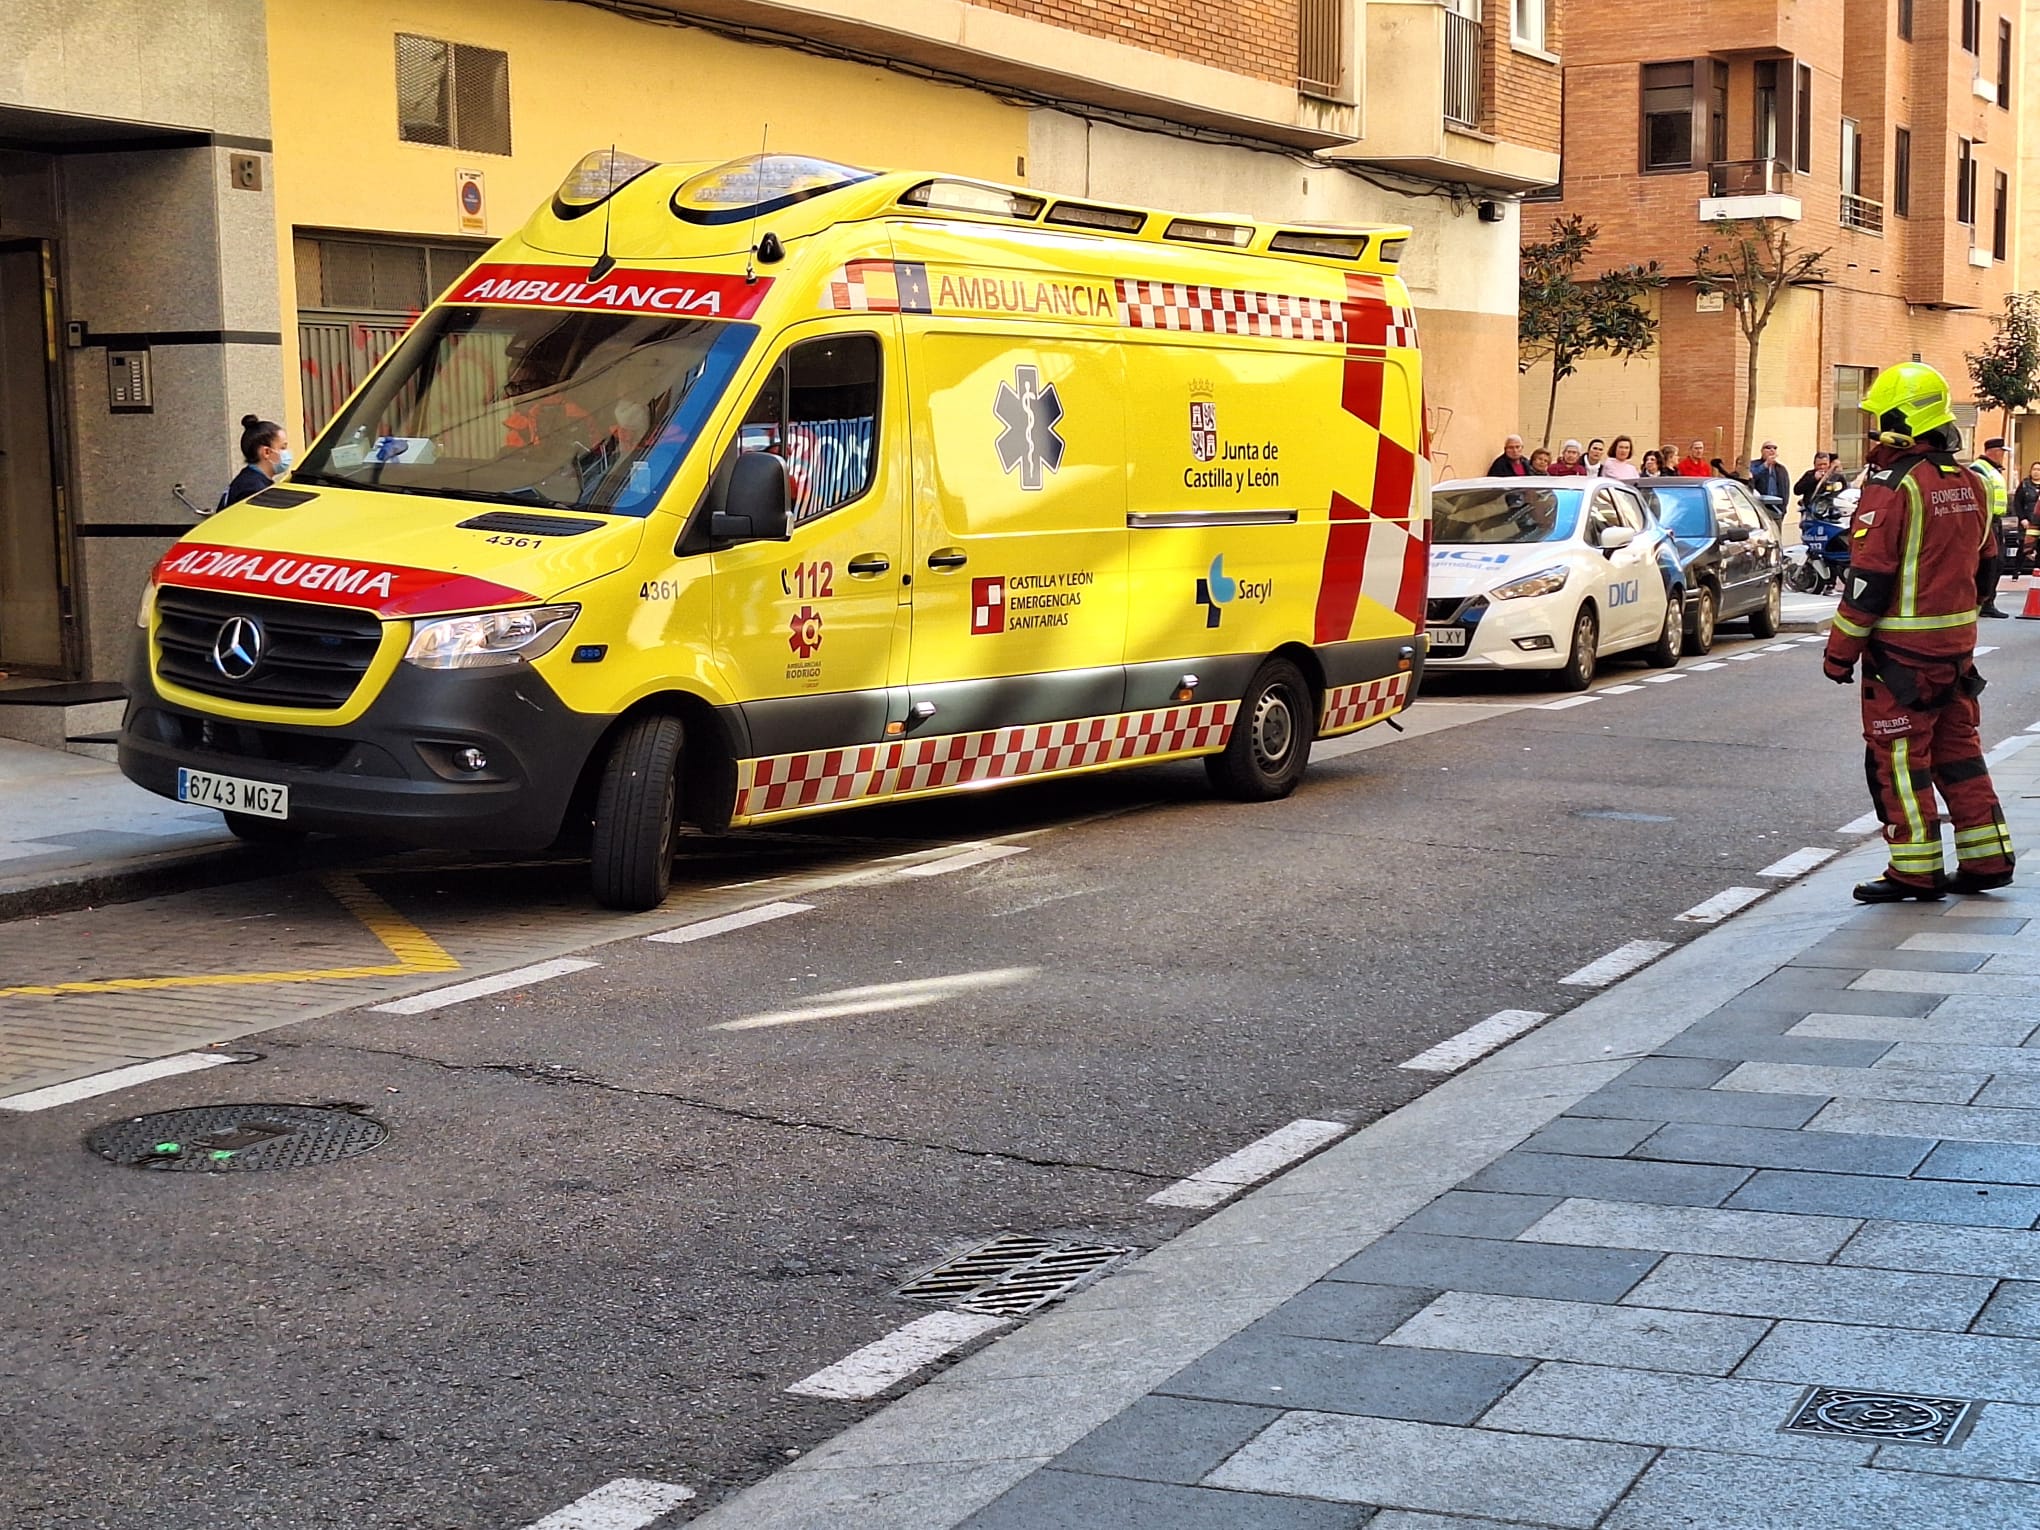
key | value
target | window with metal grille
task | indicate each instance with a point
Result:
(1901, 173)
(453, 94)
(1667, 116)
(1321, 48)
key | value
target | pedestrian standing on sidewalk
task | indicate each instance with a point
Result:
(1512, 463)
(1540, 463)
(2025, 514)
(1908, 614)
(1772, 479)
(1694, 463)
(265, 452)
(1597, 453)
(1617, 464)
(1990, 467)
(1570, 463)
(1653, 466)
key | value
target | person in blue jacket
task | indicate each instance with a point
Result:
(265, 453)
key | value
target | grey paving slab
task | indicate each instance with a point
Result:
(1859, 955)
(2017, 963)
(1762, 1147)
(1960, 1123)
(1969, 1056)
(1609, 1179)
(1889, 1245)
(2013, 1311)
(1674, 1073)
(1818, 1292)
(1834, 989)
(1643, 1407)
(1693, 1230)
(1710, 1106)
(1747, 1044)
(1995, 919)
(1898, 1360)
(1593, 1136)
(1720, 1491)
(2004, 1441)
(1890, 980)
(1283, 1370)
(1887, 1200)
(1167, 1439)
(1404, 1519)
(1964, 939)
(1499, 1268)
(1944, 1087)
(1397, 1464)
(1058, 1500)
(1480, 1214)
(2019, 1091)
(1739, 1019)
(1917, 1042)
(1996, 1163)
(1347, 1310)
(1538, 1329)
(1967, 1007)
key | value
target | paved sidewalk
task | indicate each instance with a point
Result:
(1583, 1284)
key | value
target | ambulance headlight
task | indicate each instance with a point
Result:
(1546, 581)
(148, 604)
(491, 639)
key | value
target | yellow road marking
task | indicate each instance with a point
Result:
(414, 950)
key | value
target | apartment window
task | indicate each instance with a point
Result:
(1852, 157)
(1851, 383)
(1965, 181)
(2004, 79)
(2000, 215)
(1668, 116)
(1972, 26)
(453, 95)
(1766, 82)
(1905, 20)
(1527, 22)
(1901, 173)
(1803, 78)
(1717, 115)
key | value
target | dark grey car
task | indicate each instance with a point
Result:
(1729, 550)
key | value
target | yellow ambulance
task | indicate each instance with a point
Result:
(725, 493)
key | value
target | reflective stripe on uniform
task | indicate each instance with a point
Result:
(1908, 799)
(1909, 560)
(1923, 623)
(1843, 624)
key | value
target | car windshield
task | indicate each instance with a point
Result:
(533, 406)
(1503, 515)
(1682, 512)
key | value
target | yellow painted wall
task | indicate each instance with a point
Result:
(580, 79)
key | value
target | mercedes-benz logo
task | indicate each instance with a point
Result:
(238, 648)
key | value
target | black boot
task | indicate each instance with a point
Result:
(1994, 611)
(1884, 890)
(1978, 881)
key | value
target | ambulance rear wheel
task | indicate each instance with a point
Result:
(1270, 743)
(637, 809)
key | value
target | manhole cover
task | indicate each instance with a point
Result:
(217, 1138)
(1892, 1417)
(1012, 1275)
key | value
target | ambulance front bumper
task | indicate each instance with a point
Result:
(1528, 633)
(400, 770)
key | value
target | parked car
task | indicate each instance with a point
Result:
(1730, 558)
(1549, 573)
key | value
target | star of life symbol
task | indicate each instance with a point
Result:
(1029, 412)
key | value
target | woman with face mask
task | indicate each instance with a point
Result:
(265, 451)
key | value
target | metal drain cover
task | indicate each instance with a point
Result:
(1892, 1417)
(220, 1138)
(1012, 1275)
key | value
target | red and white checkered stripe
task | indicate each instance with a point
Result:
(847, 290)
(782, 783)
(1229, 311)
(1347, 706)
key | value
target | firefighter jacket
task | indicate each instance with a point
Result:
(1918, 545)
(1993, 484)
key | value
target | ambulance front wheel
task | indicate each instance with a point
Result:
(637, 810)
(1270, 743)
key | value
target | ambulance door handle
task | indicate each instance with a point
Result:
(869, 564)
(948, 558)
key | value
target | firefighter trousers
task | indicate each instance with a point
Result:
(1911, 751)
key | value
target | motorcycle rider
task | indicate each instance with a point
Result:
(1825, 477)
(1990, 467)
(1920, 535)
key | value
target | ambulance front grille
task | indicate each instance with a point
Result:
(309, 656)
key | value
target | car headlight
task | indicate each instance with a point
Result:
(1546, 581)
(148, 604)
(490, 639)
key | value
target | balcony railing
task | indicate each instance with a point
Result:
(1749, 178)
(1862, 213)
(1462, 69)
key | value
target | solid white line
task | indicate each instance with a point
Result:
(1798, 861)
(1560, 706)
(1710, 664)
(1252, 1163)
(53, 1095)
(1622, 960)
(481, 988)
(722, 924)
(1619, 690)
(625, 1504)
(885, 1362)
(963, 862)
(1721, 905)
(1863, 825)
(1455, 1052)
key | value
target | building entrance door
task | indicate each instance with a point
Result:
(33, 566)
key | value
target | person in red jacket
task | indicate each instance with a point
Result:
(1694, 464)
(1920, 537)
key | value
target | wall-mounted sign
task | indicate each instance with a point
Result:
(467, 187)
(1707, 302)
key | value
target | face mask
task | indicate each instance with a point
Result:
(283, 460)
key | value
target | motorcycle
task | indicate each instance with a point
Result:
(1821, 559)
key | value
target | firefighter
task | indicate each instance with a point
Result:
(1921, 531)
(1990, 467)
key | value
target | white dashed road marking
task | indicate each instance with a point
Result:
(481, 988)
(1619, 690)
(886, 1362)
(722, 924)
(1560, 706)
(1779, 648)
(625, 1504)
(963, 862)
(1863, 825)
(1710, 664)
(1661, 679)
(1798, 861)
(117, 1078)
(1251, 1164)
(1986, 648)
(1721, 905)
(1476, 1041)
(1619, 962)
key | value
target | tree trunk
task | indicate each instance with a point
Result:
(1749, 415)
(1550, 406)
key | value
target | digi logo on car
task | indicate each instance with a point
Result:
(1624, 594)
(987, 606)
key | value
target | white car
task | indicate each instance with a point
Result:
(1549, 573)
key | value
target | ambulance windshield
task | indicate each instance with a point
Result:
(1503, 515)
(533, 406)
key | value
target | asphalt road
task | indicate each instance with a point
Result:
(622, 1210)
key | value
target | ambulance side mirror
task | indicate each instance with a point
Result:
(756, 509)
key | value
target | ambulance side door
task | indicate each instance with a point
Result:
(810, 633)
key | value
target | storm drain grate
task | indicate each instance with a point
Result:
(1892, 1417)
(219, 1138)
(1012, 1275)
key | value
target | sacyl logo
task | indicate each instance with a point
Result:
(1218, 589)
